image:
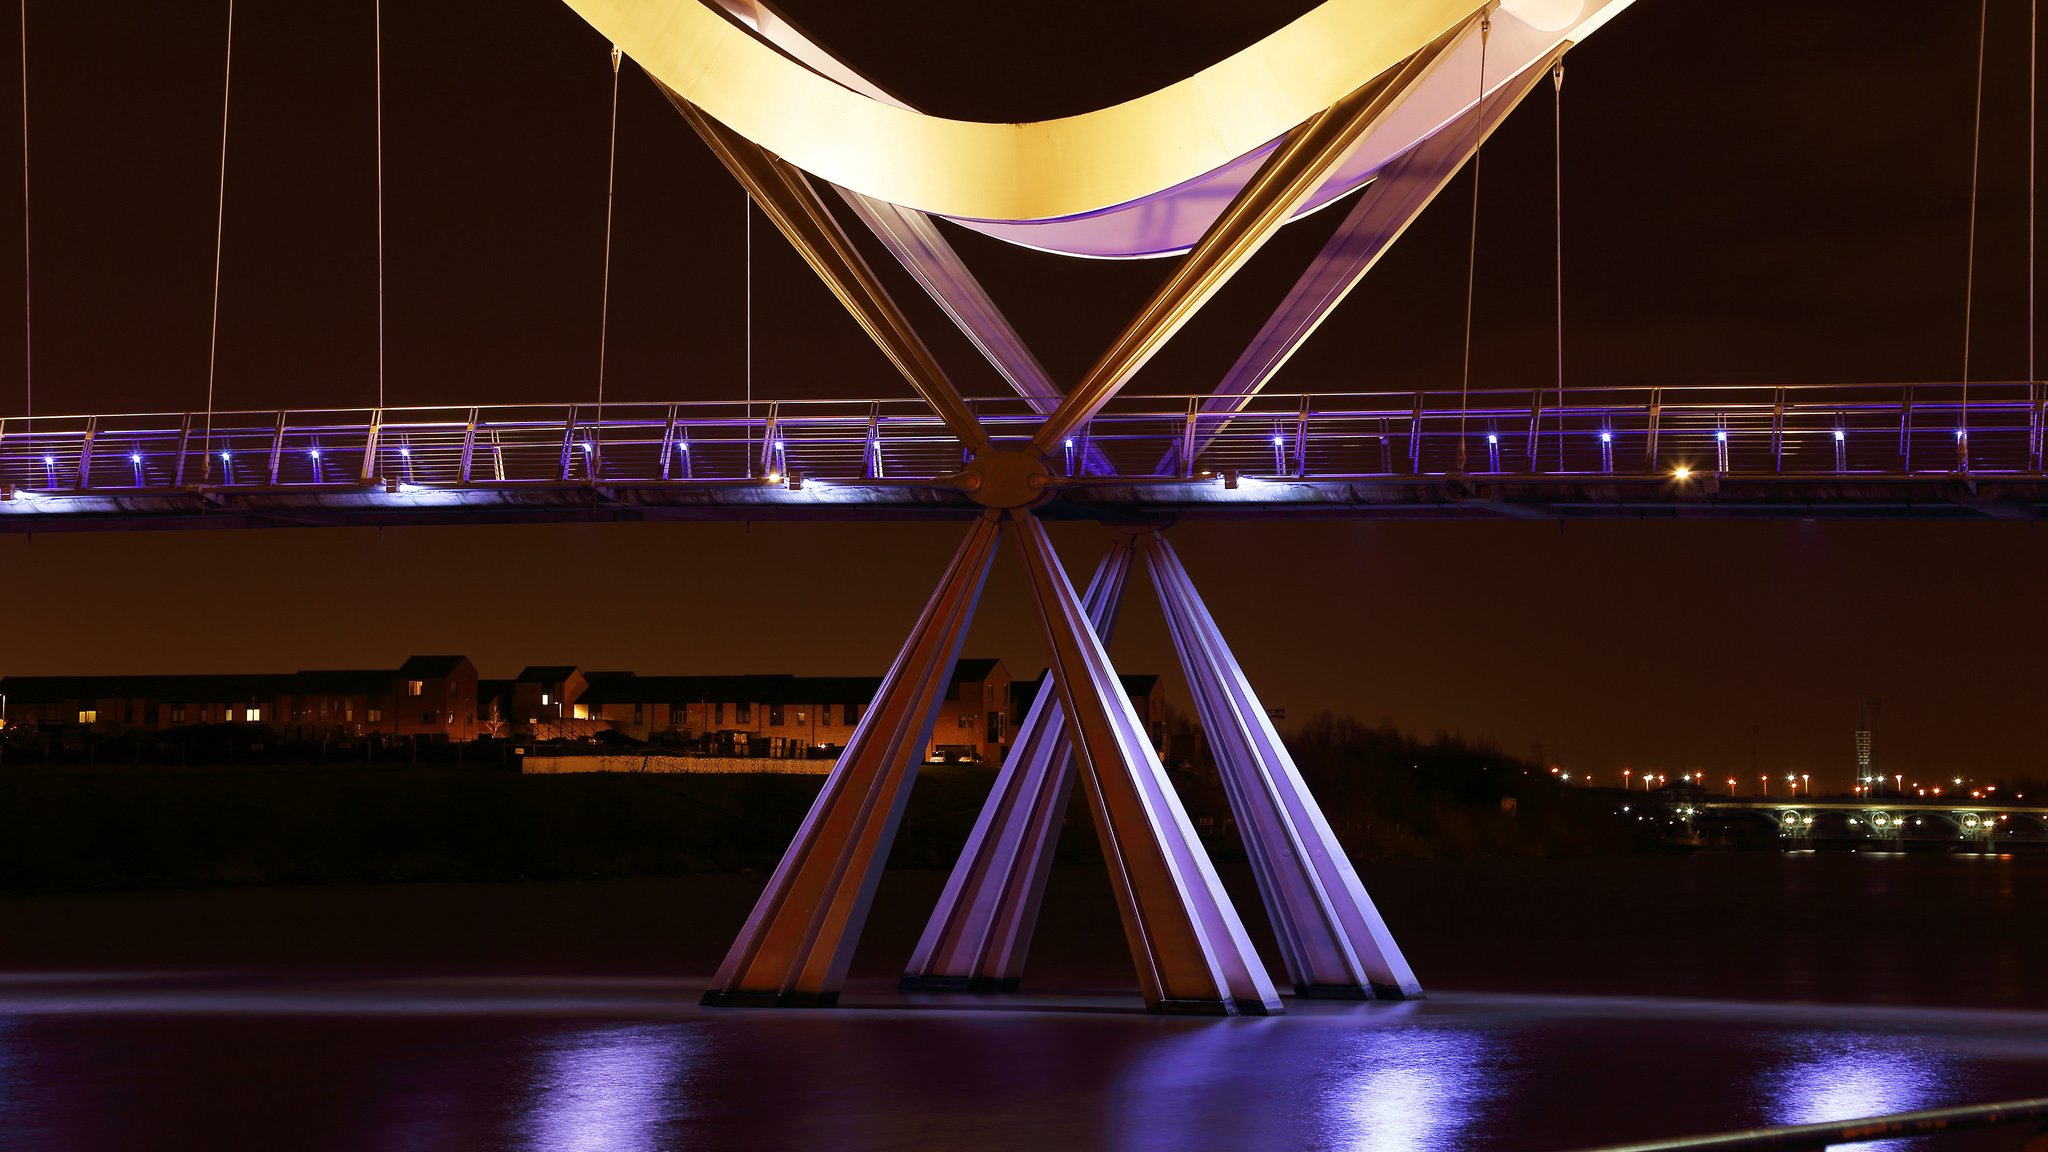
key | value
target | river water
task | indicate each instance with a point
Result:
(1570, 1004)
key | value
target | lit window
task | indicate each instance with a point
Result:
(581, 712)
(415, 687)
(252, 714)
(88, 716)
(348, 712)
(543, 697)
(375, 714)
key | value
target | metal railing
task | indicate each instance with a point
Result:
(1808, 431)
(1815, 1137)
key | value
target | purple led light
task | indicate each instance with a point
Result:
(1840, 435)
(1492, 439)
(1607, 437)
(135, 457)
(1721, 435)
(314, 453)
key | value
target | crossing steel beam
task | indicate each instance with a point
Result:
(981, 929)
(1334, 941)
(1190, 948)
(1282, 184)
(1385, 209)
(800, 937)
(786, 195)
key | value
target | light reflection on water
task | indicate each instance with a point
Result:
(1829, 1076)
(1408, 1088)
(1336, 1084)
(610, 1090)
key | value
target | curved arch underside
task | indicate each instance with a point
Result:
(1142, 178)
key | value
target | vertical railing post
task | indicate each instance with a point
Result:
(1535, 432)
(1301, 438)
(277, 449)
(184, 446)
(1656, 418)
(1187, 441)
(871, 448)
(668, 442)
(1778, 431)
(468, 445)
(369, 471)
(568, 442)
(92, 425)
(1415, 437)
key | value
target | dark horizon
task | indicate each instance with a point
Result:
(1740, 204)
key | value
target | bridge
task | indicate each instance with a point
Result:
(1377, 103)
(1891, 822)
(1806, 451)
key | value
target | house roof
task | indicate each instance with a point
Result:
(627, 688)
(1137, 686)
(975, 668)
(343, 682)
(545, 673)
(431, 667)
(859, 690)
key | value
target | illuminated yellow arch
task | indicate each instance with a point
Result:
(1052, 168)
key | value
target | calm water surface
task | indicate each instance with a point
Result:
(1571, 1004)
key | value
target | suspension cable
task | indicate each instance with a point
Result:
(220, 215)
(1970, 264)
(28, 375)
(378, 14)
(1557, 234)
(1472, 252)
(747, 205)
(604, 306)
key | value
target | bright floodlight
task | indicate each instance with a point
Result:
(49, 461)
(135, 457)
(405, 452)
(586, 445)
(225, 456)
(778, 445)
(1070, 442)
(1681, 473)
(1492, 439)
(314, 453)
(1839, 434)
(1607, 437)
(1277, 441)
(1721, 434)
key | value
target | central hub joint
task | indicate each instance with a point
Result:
(1006, 478)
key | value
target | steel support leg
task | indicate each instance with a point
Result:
(1332, 938)
(800, 937)
(980, 932)
(1190, 948)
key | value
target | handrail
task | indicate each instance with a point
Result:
(1816, 1137)
(1614, 433)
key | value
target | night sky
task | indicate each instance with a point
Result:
(1758, 192)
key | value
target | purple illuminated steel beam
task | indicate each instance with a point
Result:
(917, 243)
(1332, 938)
(785, 194)
(1190, 948)
(981, 929)
(1282, 184)
(800, 937)
(1393, 201)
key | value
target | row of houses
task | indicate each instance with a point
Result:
(441, 697)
